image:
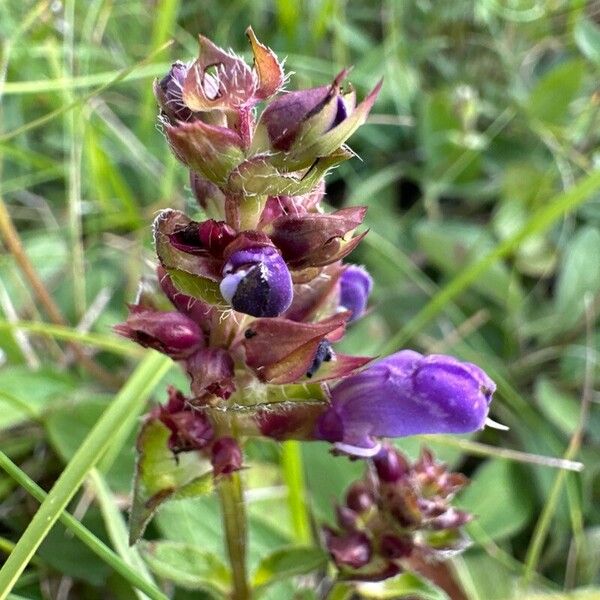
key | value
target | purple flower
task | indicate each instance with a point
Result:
(405, 394)
(256, 281)
(355, 287)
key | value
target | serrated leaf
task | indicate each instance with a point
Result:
(161, 476)
(402, 586)
(288, 562)
(187, 566)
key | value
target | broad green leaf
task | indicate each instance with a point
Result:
(161, 476)
(287, 562)
(501, 505)
(68, 426)
(187, 566)
(549, 100)
(559, 407)
(579, 275)
(587, 38)
(405, 585)
(581, 594)
(483, 577)
(25, 394)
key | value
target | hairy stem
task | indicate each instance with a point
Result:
(233, 510)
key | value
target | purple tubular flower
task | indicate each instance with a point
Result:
(256, 281)
(405, 394)
(355, 287)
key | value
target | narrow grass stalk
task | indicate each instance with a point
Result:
(107, 343)
(80, 101)
(117, 528)
(233, 512)
(82, 533)
(562, 204)
(139, 386)
(542, 526)
(293, 475)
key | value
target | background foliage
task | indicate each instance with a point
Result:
(480, 173)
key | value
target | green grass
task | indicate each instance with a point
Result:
(479, 167)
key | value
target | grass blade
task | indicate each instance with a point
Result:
(137, 389)
(82, 533)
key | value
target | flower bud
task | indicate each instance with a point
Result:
(226, 456)
(349, 550)
(256, 281)
(359, 498)
(406, 394)
(390, 465)
(172, 333)
(355, 287)
(169, 93)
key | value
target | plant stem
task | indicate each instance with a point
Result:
(233, 511)
(293, 474)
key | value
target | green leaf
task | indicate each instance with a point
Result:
(559, 407)
(587, 38)
(579, 275)
(25, 394)
(402, 586)
(68, 426)
(288, 562)
(581, 594)
(187, 566)
(550, 98)
(161, 475)
(133, 394)
(500, 504)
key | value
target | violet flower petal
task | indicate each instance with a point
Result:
(406, 394)
(256, 281)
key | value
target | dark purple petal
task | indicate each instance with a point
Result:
(406, 394)
(355, 287)
(256, 281)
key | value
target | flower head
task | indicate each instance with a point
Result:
(406, 394)
(397, 509)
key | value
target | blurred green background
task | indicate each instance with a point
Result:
(479, 167)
